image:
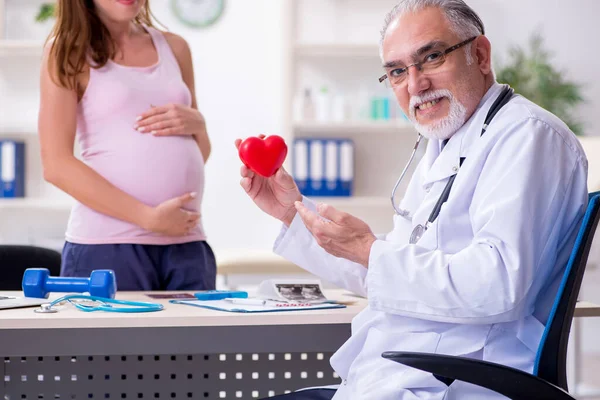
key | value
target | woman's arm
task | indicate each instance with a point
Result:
(184, 57)
(57, 125)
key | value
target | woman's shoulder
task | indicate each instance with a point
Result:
(178, 44)
(180, 48)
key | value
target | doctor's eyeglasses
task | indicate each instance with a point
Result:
(430, 61)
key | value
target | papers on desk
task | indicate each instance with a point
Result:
(250, 306)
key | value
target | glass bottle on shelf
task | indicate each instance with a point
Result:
(308, 106)
(323, 105)
(304, 107)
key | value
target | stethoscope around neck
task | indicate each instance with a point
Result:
(420, 229)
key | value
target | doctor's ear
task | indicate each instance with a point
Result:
(483, 54)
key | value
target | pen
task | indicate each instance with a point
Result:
(249, 302)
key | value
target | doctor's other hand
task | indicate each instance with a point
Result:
(170, 218)
(339, 233)
(274, 195)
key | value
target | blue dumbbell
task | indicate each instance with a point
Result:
(37, 282)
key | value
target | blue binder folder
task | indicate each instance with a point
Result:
(12, 169)
(324, 166)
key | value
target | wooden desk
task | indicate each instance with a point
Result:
(180, 352)
(587, 309)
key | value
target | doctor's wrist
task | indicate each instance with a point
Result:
(366, 251)
(289, 216)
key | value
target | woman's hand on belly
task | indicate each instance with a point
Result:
(171, 120)
(170, 218)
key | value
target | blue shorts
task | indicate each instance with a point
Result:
(186, 266)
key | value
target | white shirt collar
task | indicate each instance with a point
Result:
(447, 162)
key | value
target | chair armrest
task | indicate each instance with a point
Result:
(510, 382)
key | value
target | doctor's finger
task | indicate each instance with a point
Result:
(246, 172)
(333, 214)
(246, 184)
(237, 143)
(311, 220)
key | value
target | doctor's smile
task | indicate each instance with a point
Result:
(429, 109)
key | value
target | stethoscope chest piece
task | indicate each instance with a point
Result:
(45, 309)
(417, 233)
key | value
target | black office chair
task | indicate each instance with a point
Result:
(549, 378)
(15, 259)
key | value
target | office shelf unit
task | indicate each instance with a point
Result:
(42, 215)
(339, 50)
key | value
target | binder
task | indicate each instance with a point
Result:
(12, 170)
(346, 167)
(300, 164)
(316, 157)
(324, 166)
(332, 170)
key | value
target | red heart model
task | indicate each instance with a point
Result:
(263, 156)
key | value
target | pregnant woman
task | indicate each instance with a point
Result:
(125, 90)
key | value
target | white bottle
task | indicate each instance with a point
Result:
(362, 105)
(308, 107)
(323, 105)
(298, 108)
(338, 108)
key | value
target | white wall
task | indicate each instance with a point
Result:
(239, 71)
(570, 30)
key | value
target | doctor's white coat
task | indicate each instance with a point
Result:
(482, 279)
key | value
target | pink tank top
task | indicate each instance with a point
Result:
(151, 169)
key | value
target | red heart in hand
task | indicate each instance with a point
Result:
(263, 156)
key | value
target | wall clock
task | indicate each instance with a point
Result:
(198, 13)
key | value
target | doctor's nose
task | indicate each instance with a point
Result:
(417, 81)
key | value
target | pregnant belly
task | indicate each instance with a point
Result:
(152, 169)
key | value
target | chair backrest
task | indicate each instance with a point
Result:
(551, 360)
(14, 260)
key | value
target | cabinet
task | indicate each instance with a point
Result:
(41, 217)
(334, 57)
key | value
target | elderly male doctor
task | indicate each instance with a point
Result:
(480, 281)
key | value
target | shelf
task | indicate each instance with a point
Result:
(36, 203)
(377, 127)
(338, 50)
(354, 201)
(7, 134)
(21, 48)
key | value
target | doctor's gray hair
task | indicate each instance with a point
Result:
(463, 20)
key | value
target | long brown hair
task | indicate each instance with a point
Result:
(79, 33)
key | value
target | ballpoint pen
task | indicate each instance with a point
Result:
(251, 302)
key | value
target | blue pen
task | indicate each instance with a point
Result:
(220, 294)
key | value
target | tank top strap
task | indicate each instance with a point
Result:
(162, 47)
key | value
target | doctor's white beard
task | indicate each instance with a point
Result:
(445, 127)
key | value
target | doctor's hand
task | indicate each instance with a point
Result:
(274, 195)
(171, 120)
(339, 233)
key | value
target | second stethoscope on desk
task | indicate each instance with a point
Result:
(93, 303)
(420, 229)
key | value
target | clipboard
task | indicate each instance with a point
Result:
(228, 306)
